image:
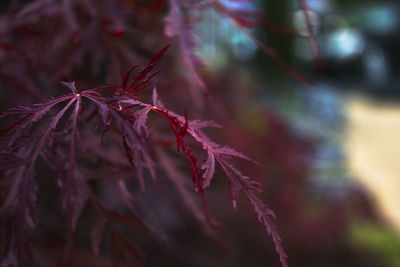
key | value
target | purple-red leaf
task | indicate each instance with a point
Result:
(141, 121)
(127, 75)
(199, 124)
(264, 215)
(156, 101)
(224, 150)
(237, 181)
(70, 85)
(175, 26)
(160, 54)
(209, 169)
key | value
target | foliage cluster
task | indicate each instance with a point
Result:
(91, 42)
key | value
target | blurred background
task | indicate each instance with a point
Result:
(327, 144)
(330, 150)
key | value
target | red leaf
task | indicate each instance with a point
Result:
(209, 169)
(264, 215)
(141, 121)
(237, 181)
(159, 54)
(70, 85)
(127, 75)
(175, 26)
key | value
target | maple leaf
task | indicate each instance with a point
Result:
(175, 26)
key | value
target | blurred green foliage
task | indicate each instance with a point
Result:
(381, 240)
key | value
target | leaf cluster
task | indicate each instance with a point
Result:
(54, 131)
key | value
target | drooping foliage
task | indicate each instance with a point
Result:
(91, 43)
(55, 129)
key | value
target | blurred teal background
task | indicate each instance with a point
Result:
(351, 114)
